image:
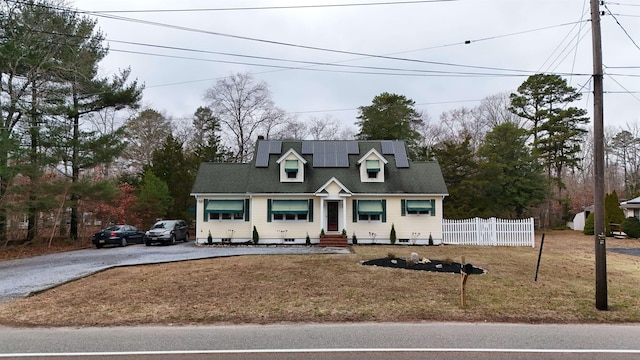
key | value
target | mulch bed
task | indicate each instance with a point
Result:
(433, 265)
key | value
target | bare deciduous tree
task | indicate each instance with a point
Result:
(324, 128)
(243, 107)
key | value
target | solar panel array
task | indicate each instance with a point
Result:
(330, 153)
(266, 148)
(397, 149)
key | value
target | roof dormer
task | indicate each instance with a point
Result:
(291, 167)
(371, 166)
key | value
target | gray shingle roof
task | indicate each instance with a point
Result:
(225, 178)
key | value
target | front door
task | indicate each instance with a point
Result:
(332, 216)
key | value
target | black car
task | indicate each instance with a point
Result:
(168, 232)
(119, 235)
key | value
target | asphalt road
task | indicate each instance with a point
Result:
(328, 341)
(21, 277)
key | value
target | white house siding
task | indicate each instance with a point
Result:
(235, 230)
(275, 232)
(411, 229)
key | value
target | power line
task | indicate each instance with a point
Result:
(280, 43)
(271, 7)
(626, 91)
(331, 64)
(182, 28)
(622, 27)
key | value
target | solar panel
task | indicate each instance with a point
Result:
(353, 148)
(317, 148)
(400, 153)
(342, 154)
(266, 148)
(307, 147)
(262, 156)
(328, 153)
(387, 147)
(275, 147)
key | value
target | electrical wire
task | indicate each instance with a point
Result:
(624, 88)
(280, 43)
(622, 27)
(272, 7)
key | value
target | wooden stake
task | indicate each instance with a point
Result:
(463, 283)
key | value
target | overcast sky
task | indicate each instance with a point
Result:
(422, 44)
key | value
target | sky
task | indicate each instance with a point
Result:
(319, 59)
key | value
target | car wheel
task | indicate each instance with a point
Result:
(147, 242)
(99, 246)
(123, 242)
(186, 237)
(173, 239)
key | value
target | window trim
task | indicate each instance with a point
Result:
(356, 210)
(237, 215)
(299, 215)
(407, 210)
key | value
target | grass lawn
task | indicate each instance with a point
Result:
(337, 288)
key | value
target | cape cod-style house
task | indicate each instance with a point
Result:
(293, 191)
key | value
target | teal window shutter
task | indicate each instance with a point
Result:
(310, 216)
(205, 214)
(355, 210)
(433, 207)
(370, 207)
(268, 210)
(290, 206)
(246, 210)
(225, 206)
(384, 210)
(373, 165)
(403, 209)
(291, 166)
(419, 205)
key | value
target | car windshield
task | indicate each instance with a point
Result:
(162, 225)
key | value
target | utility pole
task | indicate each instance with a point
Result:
(598, 154)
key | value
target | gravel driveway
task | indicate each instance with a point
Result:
(21, 277)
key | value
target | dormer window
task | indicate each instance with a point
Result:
(373, 168)
(291, 168)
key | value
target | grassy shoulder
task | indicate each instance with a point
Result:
(337, 288)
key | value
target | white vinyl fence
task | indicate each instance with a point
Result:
(495, 232)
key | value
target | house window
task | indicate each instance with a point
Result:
(368, 217)
(226, 210)
(373, 168)
(418, 207)
(289, 210)
(291, 168)
(369, 210)
(226, 216)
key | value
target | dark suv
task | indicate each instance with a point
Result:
(168, 232)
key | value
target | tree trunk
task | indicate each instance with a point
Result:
(75, 170)
(4, 183)
(34, 133)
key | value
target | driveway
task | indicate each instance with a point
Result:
(22, 277)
